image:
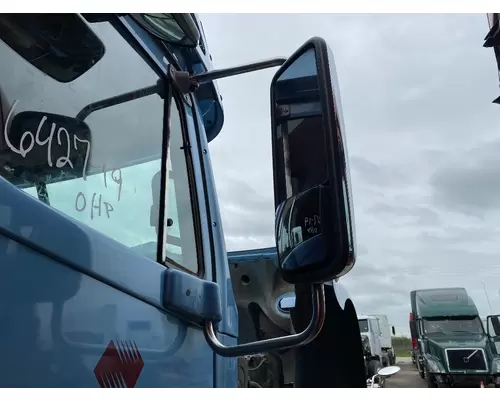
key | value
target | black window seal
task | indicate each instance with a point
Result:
(170, 94)
(195, 209)
(208, 207)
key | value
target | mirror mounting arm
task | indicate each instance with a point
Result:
(183, 82)
(273, 344)
(186, 83)
(121, 98)
(240, 69)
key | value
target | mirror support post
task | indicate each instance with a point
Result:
(238, 70)
(119, 99)
(273, 344)
(184, 82)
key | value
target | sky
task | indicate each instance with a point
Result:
(423, 139)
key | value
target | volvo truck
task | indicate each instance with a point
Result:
(114, 271)
(453, 349)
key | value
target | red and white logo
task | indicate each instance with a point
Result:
(119, 366)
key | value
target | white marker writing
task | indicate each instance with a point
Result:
(96, 203)
(87, 153)
(22, 151)
(61, 161)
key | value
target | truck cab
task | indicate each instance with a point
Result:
(369, 328)
(453, 347)
(114, 266)
(386, 333)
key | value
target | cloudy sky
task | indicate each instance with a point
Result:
(424, 147)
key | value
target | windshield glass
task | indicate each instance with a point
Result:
(363, 325)
(452, 326)
(124, 147)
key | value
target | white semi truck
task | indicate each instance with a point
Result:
(386, 333)
(376, 333)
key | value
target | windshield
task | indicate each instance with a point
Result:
(453, 326)
(363, 325)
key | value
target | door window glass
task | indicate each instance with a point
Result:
(125, 144)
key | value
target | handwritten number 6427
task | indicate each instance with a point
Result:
(35, 139)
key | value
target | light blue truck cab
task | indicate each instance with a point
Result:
(114, 271)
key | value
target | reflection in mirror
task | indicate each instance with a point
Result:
(60, 45)
(313, 228)
(301, 141)
(301, 242)
(300, 127)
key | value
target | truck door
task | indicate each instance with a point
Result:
(493, 330)
(82, 284)
(421, 343)
(413, 332)
(375, 328)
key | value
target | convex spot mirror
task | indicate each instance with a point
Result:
(176, 28)
(389, 371)
(314, 226)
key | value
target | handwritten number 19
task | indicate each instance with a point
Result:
(116, 176)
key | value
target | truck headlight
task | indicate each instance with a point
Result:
(496, 365)
(434, 366)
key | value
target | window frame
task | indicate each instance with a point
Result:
(174, 96)
(170, 95)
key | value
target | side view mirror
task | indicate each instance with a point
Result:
(389, 371)
(177, 28)
(314, 214)
(383, 373)
(493, 326)
(393, 330)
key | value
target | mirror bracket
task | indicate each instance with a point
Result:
(210, 76)
(158, 89)
(186, 83)
(282, 112)
(183, 82)
(273, 344)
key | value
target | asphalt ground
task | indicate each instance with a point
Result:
(408, 377)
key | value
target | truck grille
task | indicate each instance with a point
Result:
(461, 359)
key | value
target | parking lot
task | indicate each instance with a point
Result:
(408, 377)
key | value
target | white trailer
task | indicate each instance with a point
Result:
(386, 333)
